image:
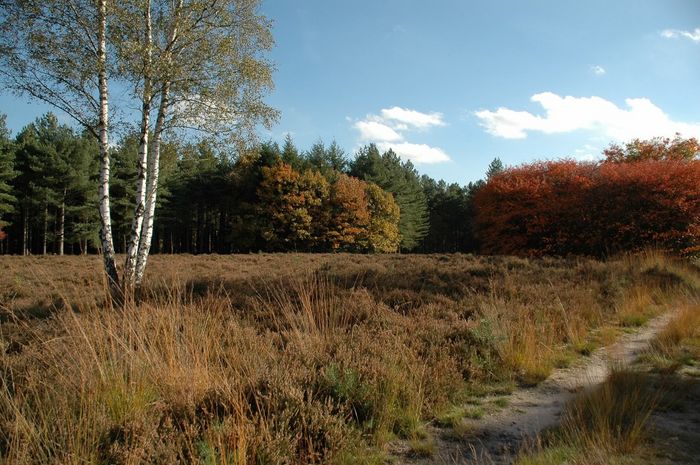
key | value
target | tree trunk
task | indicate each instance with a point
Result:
(154, 166)
(45, 238)
(136, 237)
(62, 224)
(105, 212)
(25, 233)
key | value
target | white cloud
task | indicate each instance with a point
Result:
(402, 116)
(587, 153)
(417, 153)
(374, 130)
(598, 70)
(640, 119)
(677, 33)
(389, 130)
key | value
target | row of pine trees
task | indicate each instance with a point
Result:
(273, 199)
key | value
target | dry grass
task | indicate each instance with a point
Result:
(683, 327)
(289, 359)
(606, 425)
(677, 346)
(611, 423)
(614, 415)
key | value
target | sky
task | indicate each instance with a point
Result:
(451, 84)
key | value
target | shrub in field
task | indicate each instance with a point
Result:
(566, 207)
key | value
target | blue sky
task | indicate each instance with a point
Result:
(452, 84)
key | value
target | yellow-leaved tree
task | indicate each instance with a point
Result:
(383, 231)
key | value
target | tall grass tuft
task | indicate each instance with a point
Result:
(614, 415)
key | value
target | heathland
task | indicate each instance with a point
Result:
(309, 358)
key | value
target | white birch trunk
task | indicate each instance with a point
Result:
(154, 166)
(105, 213)
(154, 171)
(141, 191)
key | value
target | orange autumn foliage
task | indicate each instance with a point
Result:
(349, 212)
(567, 207)
(654, 149)
(305, 211)
(290, 205)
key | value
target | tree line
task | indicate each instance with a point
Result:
(280, 198)
(273, 198)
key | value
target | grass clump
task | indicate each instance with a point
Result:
(422, 448)
(602, 426)
(677, 346)
(614, 415)
(454, 416)
(557, 455)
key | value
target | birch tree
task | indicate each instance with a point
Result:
(200, 67)
(56, 51)
(195, 66)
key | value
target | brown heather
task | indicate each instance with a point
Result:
(290, 358)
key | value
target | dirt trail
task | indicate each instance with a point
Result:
(498, 436)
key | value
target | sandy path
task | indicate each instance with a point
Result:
(497, 436)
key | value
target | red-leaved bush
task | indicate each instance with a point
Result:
(568, 207)
(3, 235)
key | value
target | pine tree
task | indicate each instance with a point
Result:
(336, 158)
(123, 189)
(495, 168)
(81, 202)
(329, 160)
(449, 207)
(401, 179)
(57, 178)
(7, 174)
(290, 154)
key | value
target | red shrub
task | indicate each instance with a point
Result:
(566, 207)
(3, 235)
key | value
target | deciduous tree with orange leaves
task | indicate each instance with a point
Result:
(303, 211)
(349, 214)
(567, 207)
(289, 204)
(660, 148)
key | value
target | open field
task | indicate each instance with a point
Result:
(298, 358)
